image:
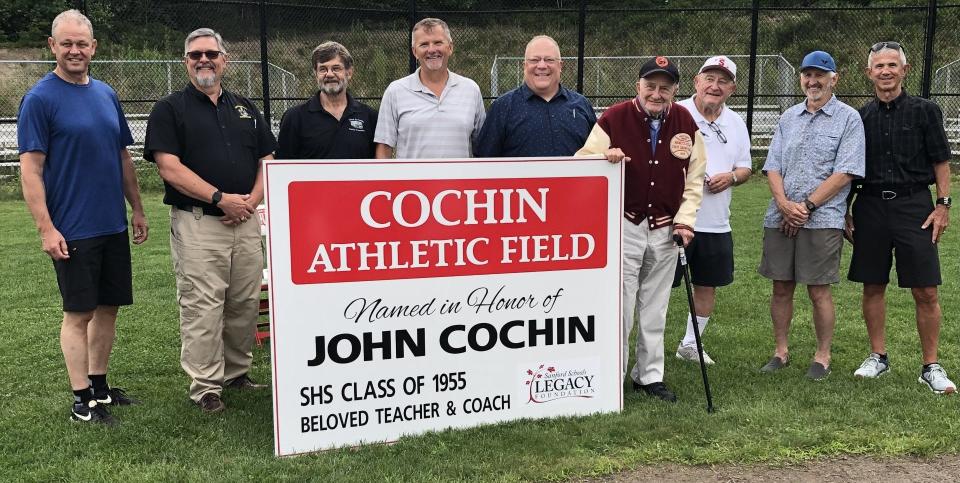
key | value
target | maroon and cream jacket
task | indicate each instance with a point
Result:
(661, 189)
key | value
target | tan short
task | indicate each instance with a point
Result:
(812, 258)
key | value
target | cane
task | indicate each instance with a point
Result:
(693, 318)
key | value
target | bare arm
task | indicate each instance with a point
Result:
(35, 195)
(184, 180)
(131, 191)
(383, 151)
(829, 188)
(256, 194)
(940, 217)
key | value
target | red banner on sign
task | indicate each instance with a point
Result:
(343, 231)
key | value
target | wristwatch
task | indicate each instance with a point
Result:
(734, 174)
(945, 201)
(215, 199)
(809, 204)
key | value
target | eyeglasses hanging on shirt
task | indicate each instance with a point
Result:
(716, 130)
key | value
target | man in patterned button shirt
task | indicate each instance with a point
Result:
(817, 150)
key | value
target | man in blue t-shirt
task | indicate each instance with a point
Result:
(76, 172)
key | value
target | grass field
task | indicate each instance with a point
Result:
(759, 418)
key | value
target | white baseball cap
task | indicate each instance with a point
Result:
(721, 62)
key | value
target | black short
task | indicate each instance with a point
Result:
(710, 256)
(883, 228)
(98, 272)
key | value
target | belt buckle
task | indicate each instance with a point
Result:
(197, 212)
(888, 195)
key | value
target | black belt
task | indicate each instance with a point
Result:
(207, 210)
(889, 192)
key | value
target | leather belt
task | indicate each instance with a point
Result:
(890, 192)
(209, 211)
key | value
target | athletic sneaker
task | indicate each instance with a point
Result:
(689, 353)
(92, 413)
(936, 379)
(114, 397)
(873, 366)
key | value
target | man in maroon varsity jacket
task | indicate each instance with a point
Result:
(665, 157)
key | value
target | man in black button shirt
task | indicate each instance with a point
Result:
(331, 125)
(907, 150)
(208, 144)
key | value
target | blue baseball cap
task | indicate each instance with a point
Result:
(820, 60)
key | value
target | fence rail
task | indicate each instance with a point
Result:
(603, 42)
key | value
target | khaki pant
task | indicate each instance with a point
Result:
(649, 262)
(218, 270)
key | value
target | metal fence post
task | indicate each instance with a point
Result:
(928, 34)
(751, 87)
(581, 42)
(264, 63)
(412, 20)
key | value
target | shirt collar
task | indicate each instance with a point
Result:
(721, 119)
(528, 93)
(643, 114)
(416, 84)
(199, 94)
(829, 108)
(895, 102)
(314, 104)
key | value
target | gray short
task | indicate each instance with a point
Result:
(812, 258)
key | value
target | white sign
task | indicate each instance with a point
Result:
(410, 296)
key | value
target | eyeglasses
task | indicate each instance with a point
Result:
(337, 69)
(198, 54)
(716, 130)
(546, 60)
(877, 47)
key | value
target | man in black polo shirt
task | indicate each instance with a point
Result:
(331, 125)
(907, 150)
(208, 144)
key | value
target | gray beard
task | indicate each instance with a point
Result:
(206, 82)
(331, 90)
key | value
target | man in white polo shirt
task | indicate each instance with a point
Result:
(727, 141)
(432, 113)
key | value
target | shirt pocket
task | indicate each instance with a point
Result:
(906, 139)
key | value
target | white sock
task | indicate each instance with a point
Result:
(690, 339)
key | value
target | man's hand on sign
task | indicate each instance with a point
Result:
(615, 155)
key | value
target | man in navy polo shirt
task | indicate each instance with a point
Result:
(331, 125)
(76, 172)
(541, 117)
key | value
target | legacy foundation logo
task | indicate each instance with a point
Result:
(548, 383)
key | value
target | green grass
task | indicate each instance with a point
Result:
(759, 419)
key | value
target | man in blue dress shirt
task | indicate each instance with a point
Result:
(541, 117)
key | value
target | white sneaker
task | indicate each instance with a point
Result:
(689, 353)
(872, 367)
(936, 379)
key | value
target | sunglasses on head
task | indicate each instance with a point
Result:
(198, 54)
(877, 47)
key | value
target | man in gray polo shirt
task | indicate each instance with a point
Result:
(817, 150)
(432, 113)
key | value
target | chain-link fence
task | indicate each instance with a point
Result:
(602, 43)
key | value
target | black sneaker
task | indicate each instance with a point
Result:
(114, 397)
(244, 382)
(656, 389)
(92, 413)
